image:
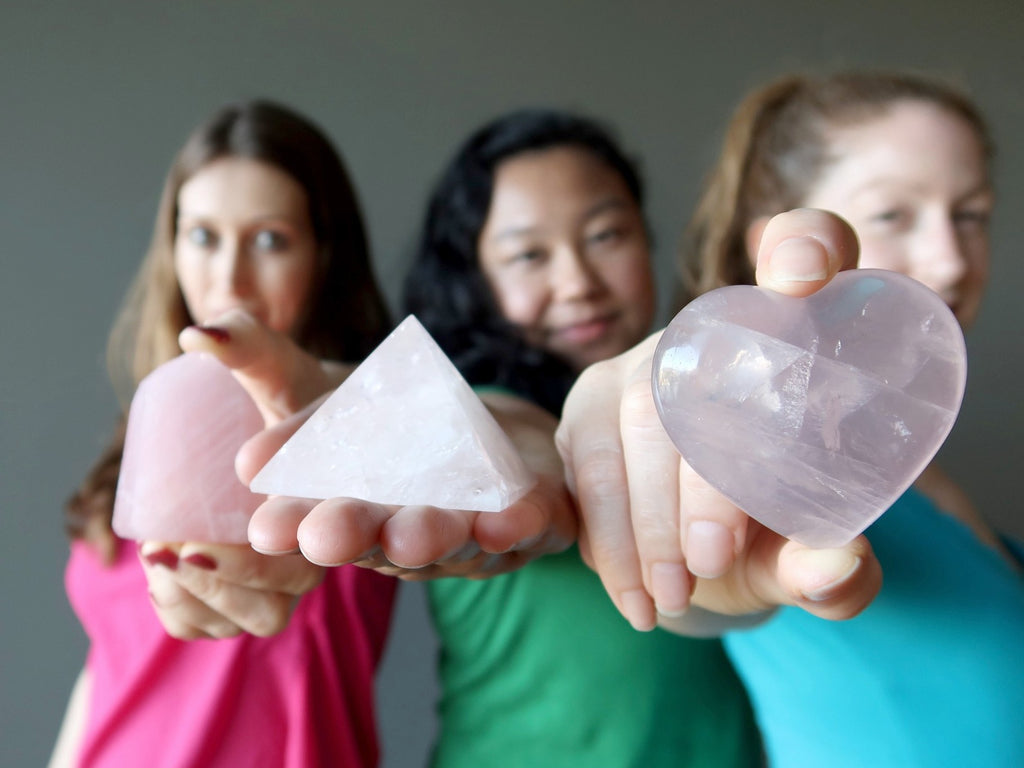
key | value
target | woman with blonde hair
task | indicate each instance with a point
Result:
(923, 676)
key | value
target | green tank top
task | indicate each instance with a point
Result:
(539, 670)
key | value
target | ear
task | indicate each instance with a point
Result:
(755, 230)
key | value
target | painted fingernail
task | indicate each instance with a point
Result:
(825, 563)
(220, 335)
(710, 548)
(799, 260)
(199, 560)
(164, 557)
(670, 583)
(638, 610)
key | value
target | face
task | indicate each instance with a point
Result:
(914, 184)
(565, 251)
(244, 240)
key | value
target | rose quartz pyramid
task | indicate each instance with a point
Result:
(404, 428)
(812, 415)
(187, 421)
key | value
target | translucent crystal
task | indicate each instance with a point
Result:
(404, 428)
(177, 483)
(812, 415)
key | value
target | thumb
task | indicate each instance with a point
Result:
(801, 250)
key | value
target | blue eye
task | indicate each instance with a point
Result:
(268, 240)
(202, 237)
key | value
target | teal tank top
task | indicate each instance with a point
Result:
(930, 674)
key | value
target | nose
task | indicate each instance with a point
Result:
(573, 277)
(941, 260)
(236, 271)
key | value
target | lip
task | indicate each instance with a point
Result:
(585, 331)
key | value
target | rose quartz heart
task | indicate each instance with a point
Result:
(187, 421)
(812, 415)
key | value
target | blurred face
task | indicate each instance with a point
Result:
(914, 184)
(244, 240)
(565, 251)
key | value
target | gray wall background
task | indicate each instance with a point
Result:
(97, 97)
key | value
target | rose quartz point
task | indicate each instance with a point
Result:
(187, 421)
(812, 415)
(405, 428)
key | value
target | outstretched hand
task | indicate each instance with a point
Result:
(657, 534)
(422, 542)
(217, 590)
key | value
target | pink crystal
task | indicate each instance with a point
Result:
(404, 428)
(812, 415)
(186, 423)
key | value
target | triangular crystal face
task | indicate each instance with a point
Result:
(405, 428)
(187, 421)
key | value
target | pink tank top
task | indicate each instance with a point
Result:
(300, 699)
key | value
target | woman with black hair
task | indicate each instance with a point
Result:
(534, 263)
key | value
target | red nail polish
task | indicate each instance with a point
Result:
(200, 560)
(220, 335)
(164, 557)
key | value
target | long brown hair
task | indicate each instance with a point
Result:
(347, 316)
(775, 149)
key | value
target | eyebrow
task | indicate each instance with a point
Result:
(984, 187)
(263, 217)
(612, 203)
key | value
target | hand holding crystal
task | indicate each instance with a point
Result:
(653, 529)
(417, 542)
(201, 589)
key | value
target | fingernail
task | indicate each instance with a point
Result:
(164, 557)
(638, 610)
(670, 583)
(799, 260)
(220, 335)
(199, 560)
(824, 563)
(710, 548)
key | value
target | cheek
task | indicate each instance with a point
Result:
(521, 301)
(287, 292)
(877, 253)
(191, 279)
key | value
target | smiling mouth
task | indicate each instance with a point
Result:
(585, 332)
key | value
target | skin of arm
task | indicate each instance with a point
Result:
(69, 738)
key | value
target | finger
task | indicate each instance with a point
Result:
(833, 583)
(652, 466)
(589, 442)
(279, 375)
(274, 526)
(801, 250)
(181, 614)
(417, 536)
(713, 528)
(339, 531)
(830, 583)
(541, 522)
(242, 566)
(261, 447)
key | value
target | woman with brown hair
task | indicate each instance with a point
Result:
(259, 244)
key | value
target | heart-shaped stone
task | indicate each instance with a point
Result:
(188, 419)
(812, 415)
